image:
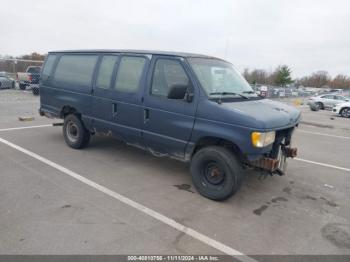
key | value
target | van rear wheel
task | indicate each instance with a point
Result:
(74, 132)
(216, 172)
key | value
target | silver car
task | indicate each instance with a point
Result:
(6, 81)
(326, 101)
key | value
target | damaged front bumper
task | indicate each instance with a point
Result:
(275, 165)
(275, 161)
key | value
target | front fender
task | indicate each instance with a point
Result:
(238, 135)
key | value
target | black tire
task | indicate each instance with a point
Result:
(74, 132)
(319, 105)
(314, 107)
(216, 172)
(22, 86)
(35, 91)
(345, 112)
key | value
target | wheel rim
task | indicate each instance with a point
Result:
(346, 112)
(213, 174)
(72, 131)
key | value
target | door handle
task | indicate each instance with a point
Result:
(114, 110)
(145, 115)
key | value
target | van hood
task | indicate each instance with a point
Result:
(270, 114)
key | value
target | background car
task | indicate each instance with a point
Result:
(337, 91)
(326, 101)
(30, 77)
(342, 109)
(6, 81)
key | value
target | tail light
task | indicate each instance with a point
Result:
(30, 77)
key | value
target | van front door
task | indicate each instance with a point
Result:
(167, 123)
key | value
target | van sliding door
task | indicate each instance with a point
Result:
(118, 107)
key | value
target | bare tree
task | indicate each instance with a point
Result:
(340, 81)
(257, 76)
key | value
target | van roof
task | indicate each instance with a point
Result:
(148, 52)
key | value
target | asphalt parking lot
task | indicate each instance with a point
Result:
(56, 200)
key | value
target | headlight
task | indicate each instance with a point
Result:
(263, 139)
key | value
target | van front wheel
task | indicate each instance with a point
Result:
(216, 172)
(74, 132)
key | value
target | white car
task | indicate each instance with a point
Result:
(326, 101)
(342, 109)
(6, 81)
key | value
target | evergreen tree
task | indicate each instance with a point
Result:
(283, 76)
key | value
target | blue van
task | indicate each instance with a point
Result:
(185, 106)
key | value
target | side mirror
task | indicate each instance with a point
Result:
(180, 92)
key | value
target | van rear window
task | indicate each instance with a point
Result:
(75, 70)
(48, 66)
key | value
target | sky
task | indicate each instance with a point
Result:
(308, 35)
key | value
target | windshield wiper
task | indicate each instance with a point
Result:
(228, 93)
(248, 92)
(252, 92)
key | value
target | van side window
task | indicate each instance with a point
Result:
(105, 71)
(48, 66)
(75, 69)
(167, 73)
(129, 73)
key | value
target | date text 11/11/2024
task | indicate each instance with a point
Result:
(173, 258)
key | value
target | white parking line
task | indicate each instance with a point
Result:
(162, 218)
(322, 134)
(22, 127)
(322, 164)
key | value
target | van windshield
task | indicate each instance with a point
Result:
(220, 79)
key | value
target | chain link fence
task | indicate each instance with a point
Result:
(290, 92)
(12, 66)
